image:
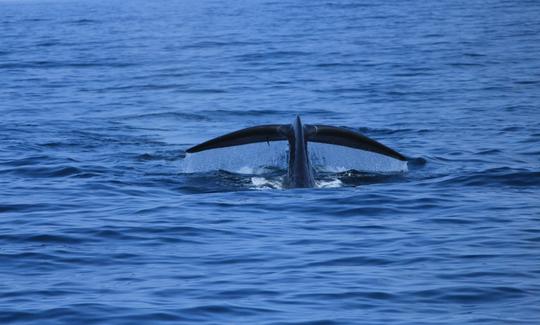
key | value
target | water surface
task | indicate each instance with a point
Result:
(102, 223)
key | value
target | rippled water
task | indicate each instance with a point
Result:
(101, 222)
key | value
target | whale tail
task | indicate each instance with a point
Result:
(283, 132)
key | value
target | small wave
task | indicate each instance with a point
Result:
(473, 55)
(381, 132)
(465, 64)
(29, 161)
(179, 116)
(172, 155)
(412, 74)
(219, 114)
(352, 261)
(489, 152)
(470, 295)
(226, 309)
(350, 5)
(202, 91)
(61, 65)
(343, 90)
(25, 207)
(54, 239)
(174, 87)
(452, 221)
(57, 171)
(376, 295)
(218, 44)
(48, 43)
(42, 238)
(271, 55)
(34, 20)
(83, 21)
(527, 82)
(335, 65)
(498, 176)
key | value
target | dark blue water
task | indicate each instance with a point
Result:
(101, 221)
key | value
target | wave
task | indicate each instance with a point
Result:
(503, 176)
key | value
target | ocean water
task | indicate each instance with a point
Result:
(105, 220)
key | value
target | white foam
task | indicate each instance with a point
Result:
(262, 183)
(330, 184)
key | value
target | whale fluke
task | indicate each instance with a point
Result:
(300, 173)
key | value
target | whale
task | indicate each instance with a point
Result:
(300, 172)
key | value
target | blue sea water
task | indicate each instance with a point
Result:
(103, 221)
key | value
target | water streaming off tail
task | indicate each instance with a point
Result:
(269, 162)
(260, 158)
(332, 158)
(255, 158)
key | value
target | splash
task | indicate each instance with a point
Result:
(268, 183)
(334, 183)
(263, 183)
